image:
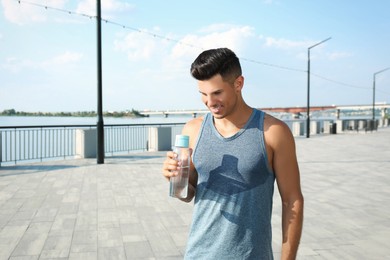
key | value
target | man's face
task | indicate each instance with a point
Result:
(219, 96)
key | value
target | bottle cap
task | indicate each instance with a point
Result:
(182, 141)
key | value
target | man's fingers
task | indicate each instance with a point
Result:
(170, 166)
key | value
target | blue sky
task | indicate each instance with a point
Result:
(48, 55)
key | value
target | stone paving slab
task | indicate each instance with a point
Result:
(76, 209)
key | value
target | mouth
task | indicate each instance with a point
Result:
(216, 109)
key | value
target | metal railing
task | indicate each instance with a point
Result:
(38, 143)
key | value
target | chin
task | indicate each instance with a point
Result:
(218, 116)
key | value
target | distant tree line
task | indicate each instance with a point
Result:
(132, 113)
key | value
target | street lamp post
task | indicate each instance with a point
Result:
(373, 92)
(100, 123)
(308, 86)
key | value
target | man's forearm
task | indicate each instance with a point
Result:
(292, 221)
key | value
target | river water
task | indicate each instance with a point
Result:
(156, 119)
(46, 120)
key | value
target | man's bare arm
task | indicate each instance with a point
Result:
(285, 165)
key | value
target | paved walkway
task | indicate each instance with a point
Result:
(76, 209)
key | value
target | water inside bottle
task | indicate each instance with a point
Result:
(179, 184)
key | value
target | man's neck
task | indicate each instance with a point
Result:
(230, 125)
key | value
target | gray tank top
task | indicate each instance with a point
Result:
(233, 201)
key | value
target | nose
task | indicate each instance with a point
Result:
(209, 100)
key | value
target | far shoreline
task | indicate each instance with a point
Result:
(121, 114)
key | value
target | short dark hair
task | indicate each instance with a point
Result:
(212, 62)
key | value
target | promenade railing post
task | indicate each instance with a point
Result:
(373, 92)
(1, 147)
(308, 95)
(308, 86)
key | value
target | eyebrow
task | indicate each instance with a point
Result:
(214, 92)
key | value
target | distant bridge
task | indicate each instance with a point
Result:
(296, 110)
(292, 110)
(165, 113)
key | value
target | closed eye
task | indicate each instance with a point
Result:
(215, 93)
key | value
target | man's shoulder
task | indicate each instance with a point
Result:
(196, 122)
(192, 127)
(271, 121)
(275, 130)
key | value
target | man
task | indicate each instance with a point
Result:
(238, 152)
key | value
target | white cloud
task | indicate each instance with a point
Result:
(174, 53)
(218, 35)
(29, 12)
(339, 55)
(108, 7)
(270, 2)
(67, 57)
(14, 64)
(140, 45)
(25, 12)
(285, 43)
(217, 27)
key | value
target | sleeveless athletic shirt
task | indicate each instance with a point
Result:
(233, 201)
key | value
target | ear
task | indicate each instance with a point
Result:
(239, 83)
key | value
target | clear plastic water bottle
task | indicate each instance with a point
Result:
(178, 187)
